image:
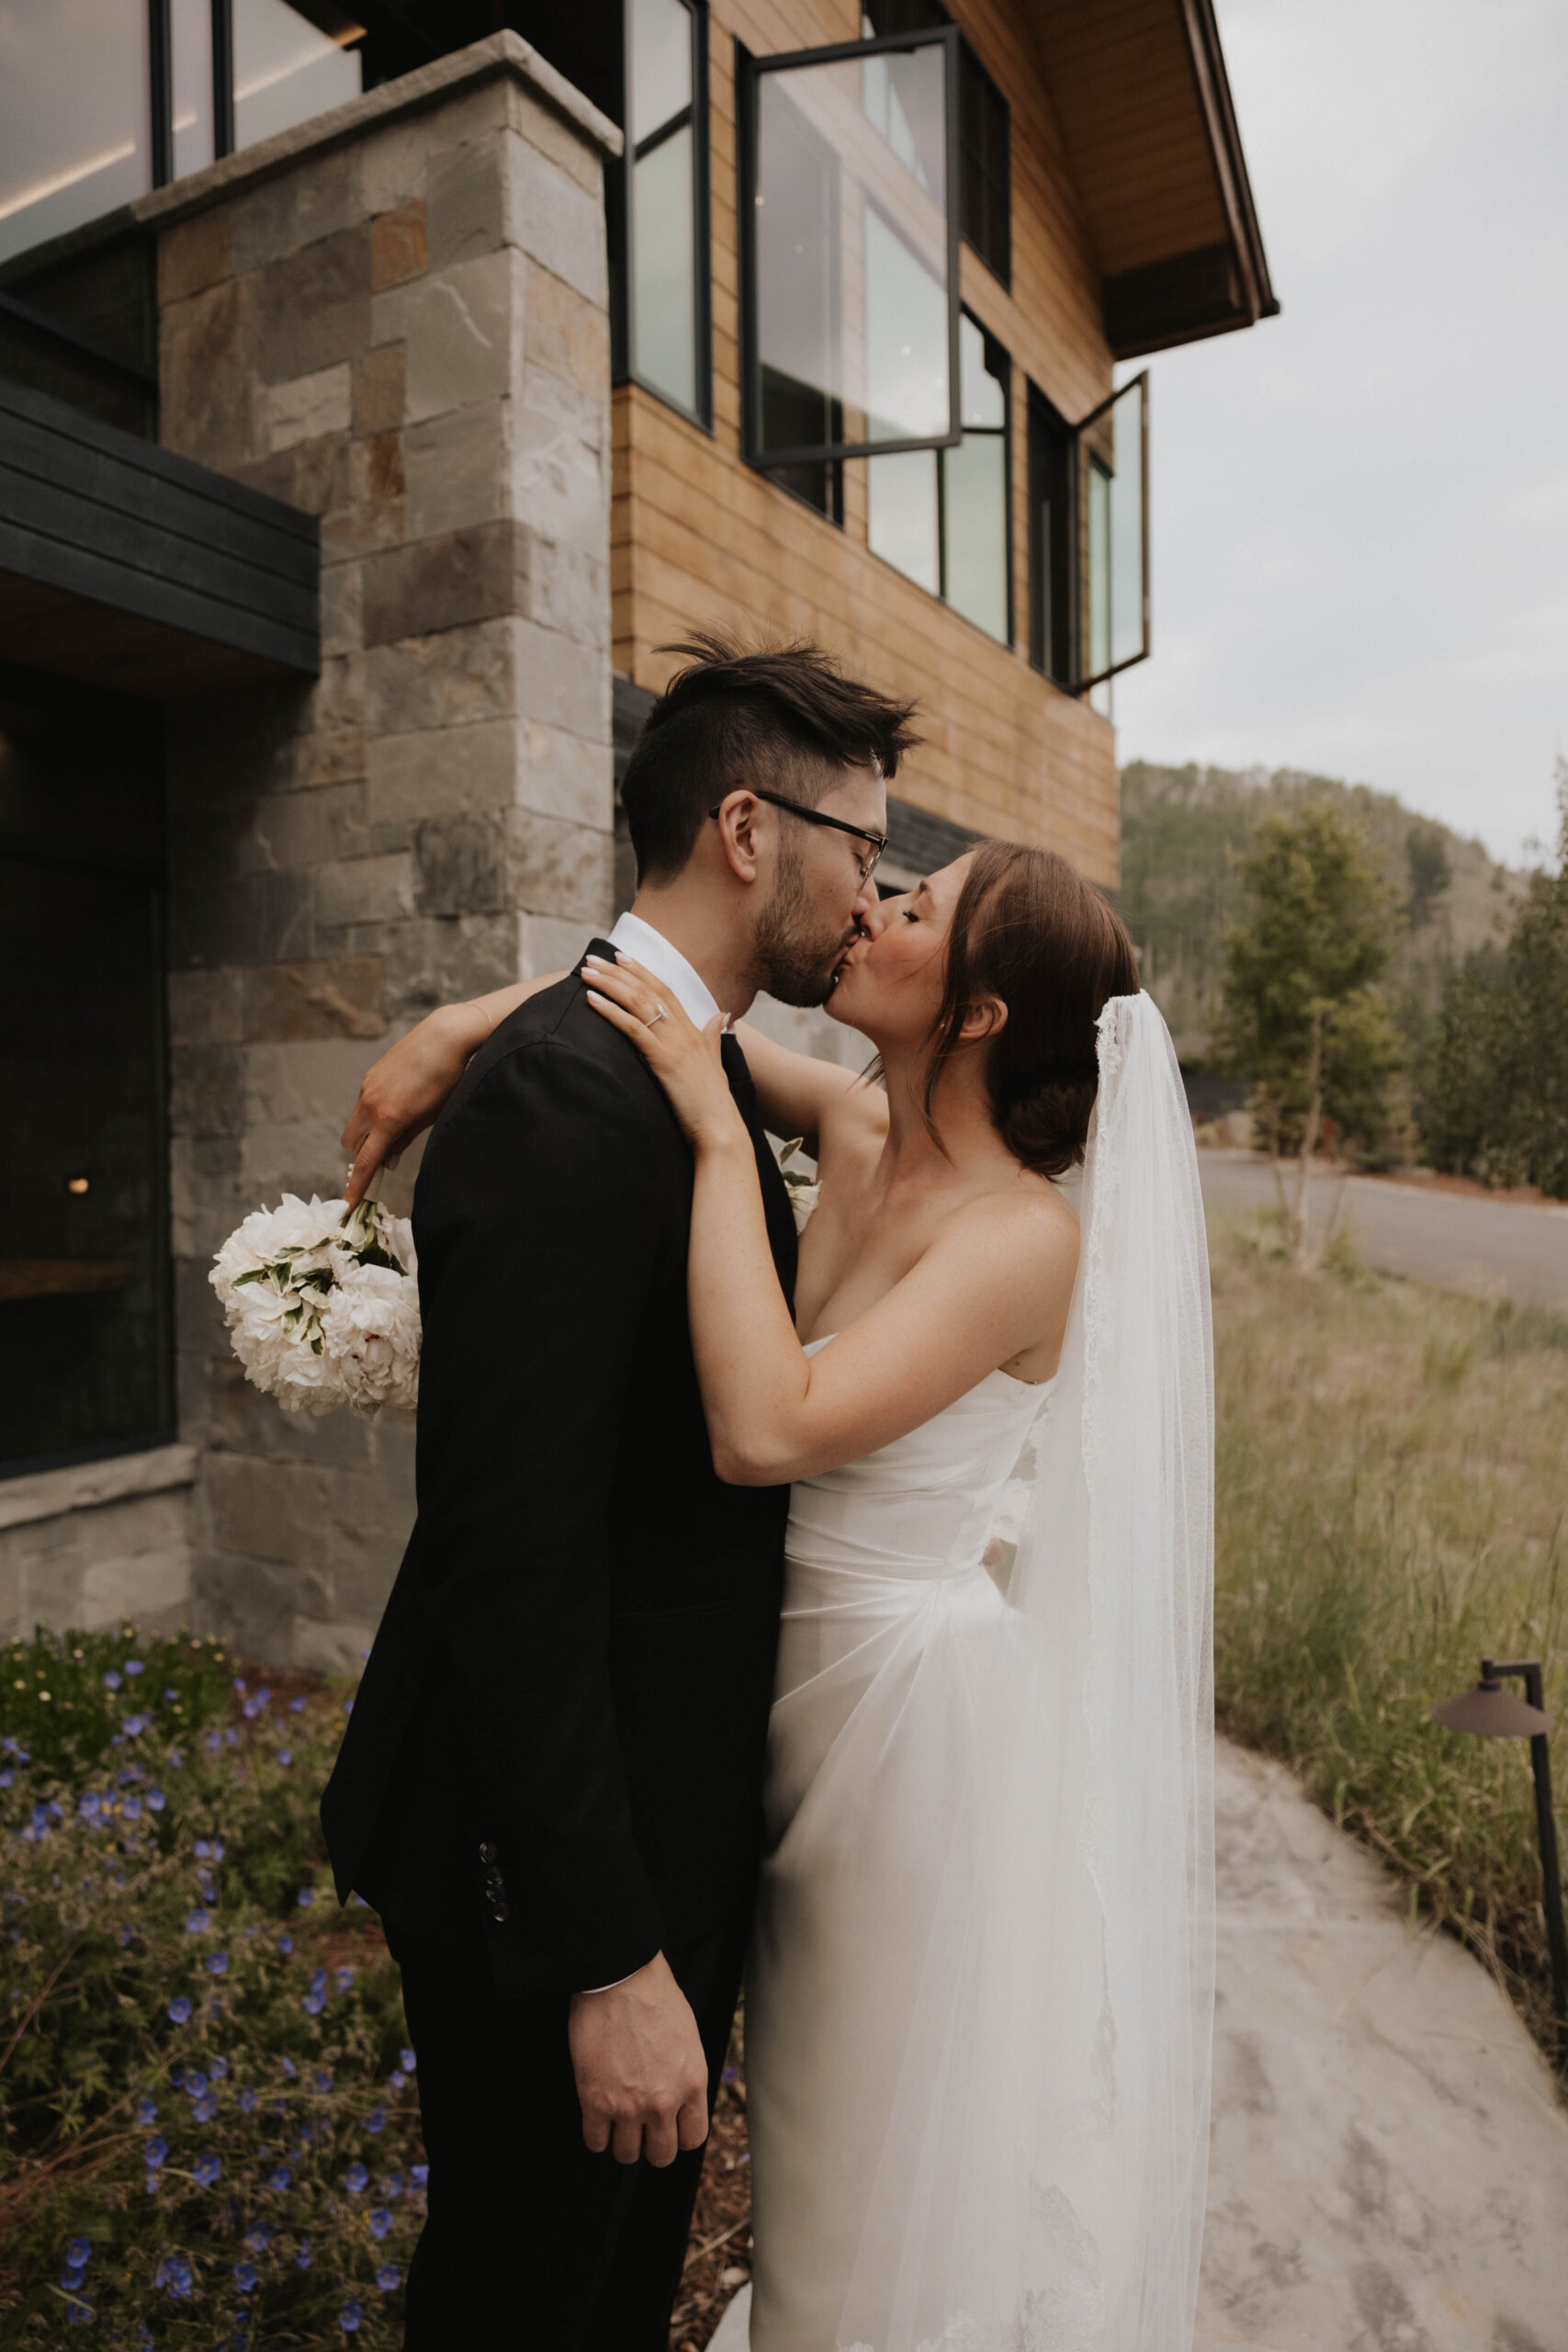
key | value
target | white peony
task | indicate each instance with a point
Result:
(322, 1305)
(372, 1332)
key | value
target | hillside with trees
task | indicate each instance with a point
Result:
(1184, 833)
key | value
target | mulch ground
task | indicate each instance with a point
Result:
(718, 2259)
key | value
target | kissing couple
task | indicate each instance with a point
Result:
(847, 1619)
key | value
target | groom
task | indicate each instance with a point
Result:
(549, 1786)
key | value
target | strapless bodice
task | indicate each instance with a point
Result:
(926, 1503)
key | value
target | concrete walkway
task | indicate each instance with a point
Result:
(1389, 2167)
(1516, 1250)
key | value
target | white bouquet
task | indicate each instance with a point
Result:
(322, 1306)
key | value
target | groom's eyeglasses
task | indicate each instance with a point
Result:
(876, 842)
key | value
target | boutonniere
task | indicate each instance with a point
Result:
(804, 1190)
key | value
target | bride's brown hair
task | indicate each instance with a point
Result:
(1028, 929)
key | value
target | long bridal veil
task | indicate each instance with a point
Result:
(1041, 2184)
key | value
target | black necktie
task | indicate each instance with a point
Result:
(776, 1194)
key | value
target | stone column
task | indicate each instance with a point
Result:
(394, 317)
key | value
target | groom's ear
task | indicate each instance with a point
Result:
(983, 1020)
(740, 815)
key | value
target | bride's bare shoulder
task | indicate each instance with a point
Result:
(1026, 1225)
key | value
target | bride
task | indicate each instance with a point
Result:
(979, 1996)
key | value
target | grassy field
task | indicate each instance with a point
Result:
(1392, 1501)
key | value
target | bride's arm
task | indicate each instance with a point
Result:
(795, 1091)
(400, 1094)
(996, 1280)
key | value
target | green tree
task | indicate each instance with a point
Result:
(1496, 1092)
(1302, 1016)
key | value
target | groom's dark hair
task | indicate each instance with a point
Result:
(782, 719)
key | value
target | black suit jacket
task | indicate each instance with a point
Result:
(575, 1666)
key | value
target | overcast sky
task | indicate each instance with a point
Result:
(1361, 508)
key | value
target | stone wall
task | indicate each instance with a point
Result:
(396, 319)
(98, 1543)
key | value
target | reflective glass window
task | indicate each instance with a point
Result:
(985, 136)
(76, 114)
(850, 290)
(84, 1334)
(284, 70)
(661, 134)
(941, 516)
(904, 524)
(190, 28)
(974, 490)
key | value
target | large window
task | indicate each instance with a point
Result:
(1051, 539)
(1089, 538)
(101, 100)
(941, 516)
(84, 1341)
(1113, 515)
(849, 279)
(983, 133)
(666, 325)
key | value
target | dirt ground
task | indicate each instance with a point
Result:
(718, 2259)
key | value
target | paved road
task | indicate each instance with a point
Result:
(1490, 1249)
(1389, 2161)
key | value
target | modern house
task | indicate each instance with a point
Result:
(378, 394)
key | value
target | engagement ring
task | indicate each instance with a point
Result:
(655, 1018)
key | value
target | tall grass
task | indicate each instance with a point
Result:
(1393, 1492)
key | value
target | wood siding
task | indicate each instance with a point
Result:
(700, 537)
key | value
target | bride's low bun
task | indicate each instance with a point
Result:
(1030, 931)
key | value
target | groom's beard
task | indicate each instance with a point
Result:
(796, 959)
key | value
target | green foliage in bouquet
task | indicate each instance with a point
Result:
(208, 2129)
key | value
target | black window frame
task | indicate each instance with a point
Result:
(749, 70)
(986, 180)
(618, 194)
(1052, 451)
(1071, 457)
(1087, 458)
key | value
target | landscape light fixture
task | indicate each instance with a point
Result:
(1499, 1714)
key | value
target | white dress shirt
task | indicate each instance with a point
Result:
(670, 968)
(653, 952)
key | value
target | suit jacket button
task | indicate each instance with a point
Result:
(486, 1851)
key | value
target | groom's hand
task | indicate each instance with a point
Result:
(642, 2079)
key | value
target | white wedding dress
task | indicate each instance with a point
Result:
(978, 2003)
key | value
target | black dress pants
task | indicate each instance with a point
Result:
(532, 2244)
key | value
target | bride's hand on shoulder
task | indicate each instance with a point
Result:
(686, 1061)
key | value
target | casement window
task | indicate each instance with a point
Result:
(86, 1366)
(942, 517)
(101, 100)
(849, 260)
(1089, 538)
(664, 335)
(985, 138)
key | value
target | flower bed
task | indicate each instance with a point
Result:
(209, 2132)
